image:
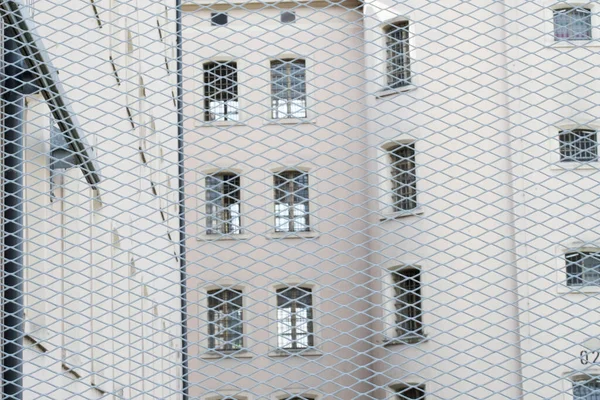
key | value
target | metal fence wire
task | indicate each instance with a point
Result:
(300, 200)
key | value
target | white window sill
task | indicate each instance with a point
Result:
(214, 354)
(575, 165)
(219, 237)
(392, 92)
(401, 214)
(578, 289)
(293, 235)
(406, 340)
(216, 124)
(568, 44)
(290, 121)
(310, 352)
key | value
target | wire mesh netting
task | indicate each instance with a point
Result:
(300, 200)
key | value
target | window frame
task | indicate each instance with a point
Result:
(310, 324)
(217, 233)
(307, 212)
(206, 96)
(211, 341)
(288, 61)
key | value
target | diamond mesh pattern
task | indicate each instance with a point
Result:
(300, 200)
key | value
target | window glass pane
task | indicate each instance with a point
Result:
(288, 89)
(221, 91)
(572, 24)
(291, 202)
(225, 319)
(578, 145)
(404, 179)
(223, 204)
(398, 60)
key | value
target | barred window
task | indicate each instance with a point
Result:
(404, 179)
(294, 318)
(578, 145)
(583, 268)
(407, 288)
(291, 202)
(397, 59)
(225, 322)
(410, 392)
(586, 388)
(223, 204)
(288, 89)
(221, 91)
(572, 23)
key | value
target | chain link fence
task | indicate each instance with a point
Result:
(300, 200)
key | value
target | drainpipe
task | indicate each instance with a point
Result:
(181, 173)
(14, 86)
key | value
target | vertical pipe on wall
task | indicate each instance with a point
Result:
(181, 172)
(12, 126)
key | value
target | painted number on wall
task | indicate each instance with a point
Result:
(589, 357)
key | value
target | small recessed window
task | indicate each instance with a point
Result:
(299, 398)
(288, 17)
(218, 19)
(572, 23)
(578, 145)
(583, 268)
(410, 392)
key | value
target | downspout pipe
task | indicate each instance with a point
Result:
(181, 173)
(15, 84)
